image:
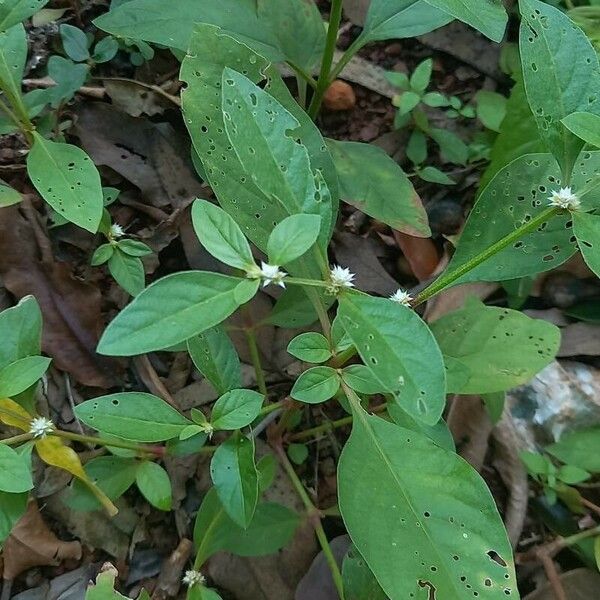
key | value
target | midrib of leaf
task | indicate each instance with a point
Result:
(11, 82)
(201, 548)
(137, 420)
(358, 410)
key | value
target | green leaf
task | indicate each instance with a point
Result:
(211, 50)
(292, 238)
(359, 581)
(221, 235)
(105, 50)
(154, 484)
(487, 16)
(134, 248)
(15, 472)
(561, 73)
(579, 448)
(13, 55)
(310, 347)
(8, 196)
(69, 77)
(68, 181)
(298, 453)
(453, 149)
(172, 310)
(234, 474)
(134, 416)
(20, 331)
(497, 348)
(375, 184)
(407, 102)
(491, 109)
(388, 19)
(216, 358)
(316, 385)
(103, 589)
(271, 528)
(17, 376)
(406, 501)
(587, 231)
(236, 409)
(419, 80)
(387, 336)
(15, 11)
(524, 187)
(435, 176)
(494, 404)
(586, 126)
(416, 150)
(128, 271)
(572, 475)
(13, 508)
(75, 42)
(362, 380)
(114, 475)
(102, 254)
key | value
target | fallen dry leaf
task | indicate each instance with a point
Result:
(580, 339)
(579, 584)
(70, 307)
(32, 544)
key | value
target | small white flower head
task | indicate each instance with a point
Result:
(565, 198)
(272, 274)
(192, 578)
(402, 297)
(116, 231)
(208, 429)
(40, 427)
(340, 278)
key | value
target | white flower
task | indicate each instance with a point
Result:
(402, 297)
(40, 427)
(271, 274)
(192, 577)
(208, 429)
(116, 231)
(565, 198)
(341, 278)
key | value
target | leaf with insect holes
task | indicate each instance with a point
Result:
(154, 484)
(587, 232)
(586, 126)
(362, 380)
(496, 348)
(236, 409)
(387, 19)
(359, 581)
(15, 471)
(561, 73)
(518, 193)
(316, 385)
(67, 180)
(211, 50)
(17, 376)
(221, 235)
(234, 474)
(13, 56)
(134, 416)
(399, 350)
(216, 358)
(271, 528)
(375, 184)
(173, 309)
(406, 501)
(310, 347)
(292, 238)
(128, 271)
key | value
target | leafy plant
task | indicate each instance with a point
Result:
(421, 519)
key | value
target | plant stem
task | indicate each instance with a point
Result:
(21, 117)
(89, 439)
(11, 115)
(339, 360)
(448, 279)
(307, 282)
(324, 75)
(17, 439)
(255, 357)
(356, 45)
(315, 516)
(305, 75)
(271, 407)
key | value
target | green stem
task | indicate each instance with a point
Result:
(304, 74)
(21, 116)
(448, 279)
(577, 537)
(313, 512)
(324, 76)
(269, 408)
(356, 45)
(339, 360)
(17, 439)
(307, 282)
(255, 357)
(11, 115)
(98, 441)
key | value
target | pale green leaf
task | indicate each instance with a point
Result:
(375, 184)
(579, 448)
(103, 588)
(298, 453)
(362, 380)
(17, 376)
(69, 77)
(216, 358)
(359, 581)
(154, 484)
(172, 310)
(134, 248)
(15, 11)
(8, 196)
(221, 235)
(586, 126)
(134, 416)
(419, 80)
(102, 254)
(20, 331)
(67, 179)
(13, 55)
(15, 472)
(236, 409)
(75, 42)
(400, 350)
(233, 471)
(13, 508)
(587, 232)
(497, 348)
(128, 271)
(406, 501)
(572, 475)
(292, 238)
(310, 347)
(316, 385)
(491, 109)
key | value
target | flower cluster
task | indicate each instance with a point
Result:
(402, 297)
(192, 578)
(40, 427)
(565, 198)
(268, 274)
(340, 278)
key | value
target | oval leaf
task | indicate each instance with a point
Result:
(236, 409)
(16, 377)
(15, 473)
(154, 484)
(316, 385)
(310, 347)
(292, 238)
